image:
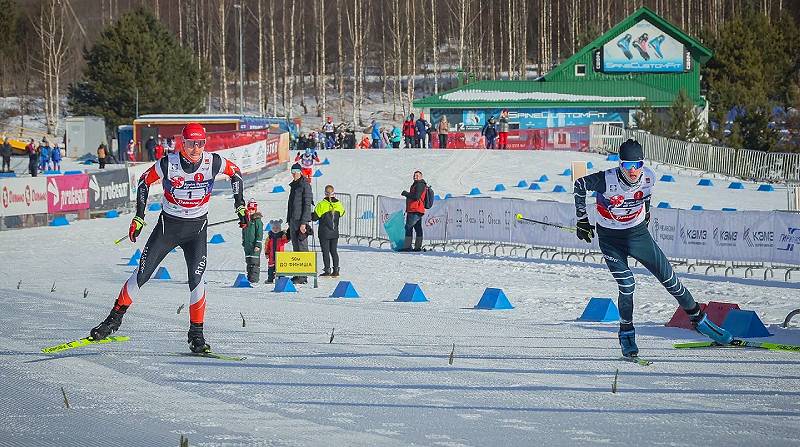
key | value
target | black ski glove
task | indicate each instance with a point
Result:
(585, 230)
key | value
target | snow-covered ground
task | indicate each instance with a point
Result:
(527, 376)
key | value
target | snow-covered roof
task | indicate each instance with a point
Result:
(482, 95)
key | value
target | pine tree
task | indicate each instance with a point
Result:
(684, 122)
(756, 131)
(647, 120)
(138, 53)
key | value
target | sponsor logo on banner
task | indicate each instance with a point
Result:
(430, 220)
(22, 196)
(725, 238)
(693, 236)
(758, 238)
(102, 193)
(789, 239)
(67, 193)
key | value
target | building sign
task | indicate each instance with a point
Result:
(643, 48)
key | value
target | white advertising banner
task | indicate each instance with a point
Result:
(541, 235)
(664, 229)
(786, 235)
(135, 170)
(433, 223)
(19, 196)
(249, 157)
(479, 219)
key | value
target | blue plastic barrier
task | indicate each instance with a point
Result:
(745, 324)
(667, 178)
(567, 172)
(73, 172)
(493, 299)
(51, 172)
(534, 187)
(728, 209)
(112, 214)
(447, 196)
(344, 289)
(216, 239)
(284, 284)
(559, 188)
(589, 165)
(499, 187)
(697, 207)
(326, 161)
(241, 281)
(59, 221)
(736, 185)
(766, 188)
(612, 157)
(162, 273)
(663, 205)
(474, 192)
(8, 174)
(543, 178)
(705, 182)
(522, 184)
(411, 293)
(600, 309)
(277, 189)
(317, 173)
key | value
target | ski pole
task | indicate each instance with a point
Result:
(126, 236)
(223, 222)
(565, 228)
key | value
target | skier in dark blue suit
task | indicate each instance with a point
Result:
(623, 207)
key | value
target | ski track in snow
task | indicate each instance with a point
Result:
(532, 375)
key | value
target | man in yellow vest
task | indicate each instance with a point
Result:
(327, 212)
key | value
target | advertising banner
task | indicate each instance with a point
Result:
(644, 48)
(786, 235)
(135, 170)
(20, 196)
(109, 189)
(433, 223)
(664, 229)
(566, 138)
(67, 193)
(524, 119)
(546, 235)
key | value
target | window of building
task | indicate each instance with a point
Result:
(580, 69)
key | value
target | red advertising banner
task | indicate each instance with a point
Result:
(67, 193)
(557, 138)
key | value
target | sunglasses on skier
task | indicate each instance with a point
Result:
(628, 165)
(198, 143)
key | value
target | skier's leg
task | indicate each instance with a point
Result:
(158, 245)
(194, 252)
(616, 257)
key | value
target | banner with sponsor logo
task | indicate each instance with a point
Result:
(557, 213)
(109, 190)
(19, 196)
(67, 193)
(786, 235)
(433, 223)
(135, 170)
(643, 48)
(664, 229)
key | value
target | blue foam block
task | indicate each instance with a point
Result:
(277, 189)
(705, 182)
(736, 185)
(344, 289)
(133, 261)
(137, 254)
(317, 173)
(728, 209)
(216, 239)
(499, 187)
(59, 221)
(73, 172)
(284, 284)
(612, 157)
(89, 162)
(162, 273)
(663, 205)
(437, 197)
(474, 191)
(543, 178)
(411, 293)
(241, 281)
(567, 172)
(8, 174)
(600, 309)
(667, 178)
(447, 196)
(51, 172)
(765, 188)
(697, 207)
(368, 214)
(744, 324)
(535, 187)
(559, 188)
(589, 165)
(326, 161)
(522, 184)
(112, 214)
(493, 299)
(154, 207)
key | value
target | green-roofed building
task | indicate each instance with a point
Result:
(643, 58)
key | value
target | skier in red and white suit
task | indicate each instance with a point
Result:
(188, 179)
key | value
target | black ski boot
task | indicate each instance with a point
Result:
(197, 343)
(335, 273)
(108, 326)
(326, 272)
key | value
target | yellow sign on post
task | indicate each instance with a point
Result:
(296, 263)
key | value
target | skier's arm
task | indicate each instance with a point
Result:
(221, 165)
(591, 182)
(151, 175)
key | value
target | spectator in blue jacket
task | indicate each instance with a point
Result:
(376, 134)
(44, 156)
(490, 132)
(55, 155)
(421, 128)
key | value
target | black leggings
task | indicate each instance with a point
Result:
(171, 232)
(329, 251)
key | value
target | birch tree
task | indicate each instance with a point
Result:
(54, 45)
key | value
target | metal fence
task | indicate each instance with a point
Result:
(741, 163)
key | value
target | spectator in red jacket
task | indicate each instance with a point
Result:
(409, 134)
(276, 240)
(159, 149)
(415, 209)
